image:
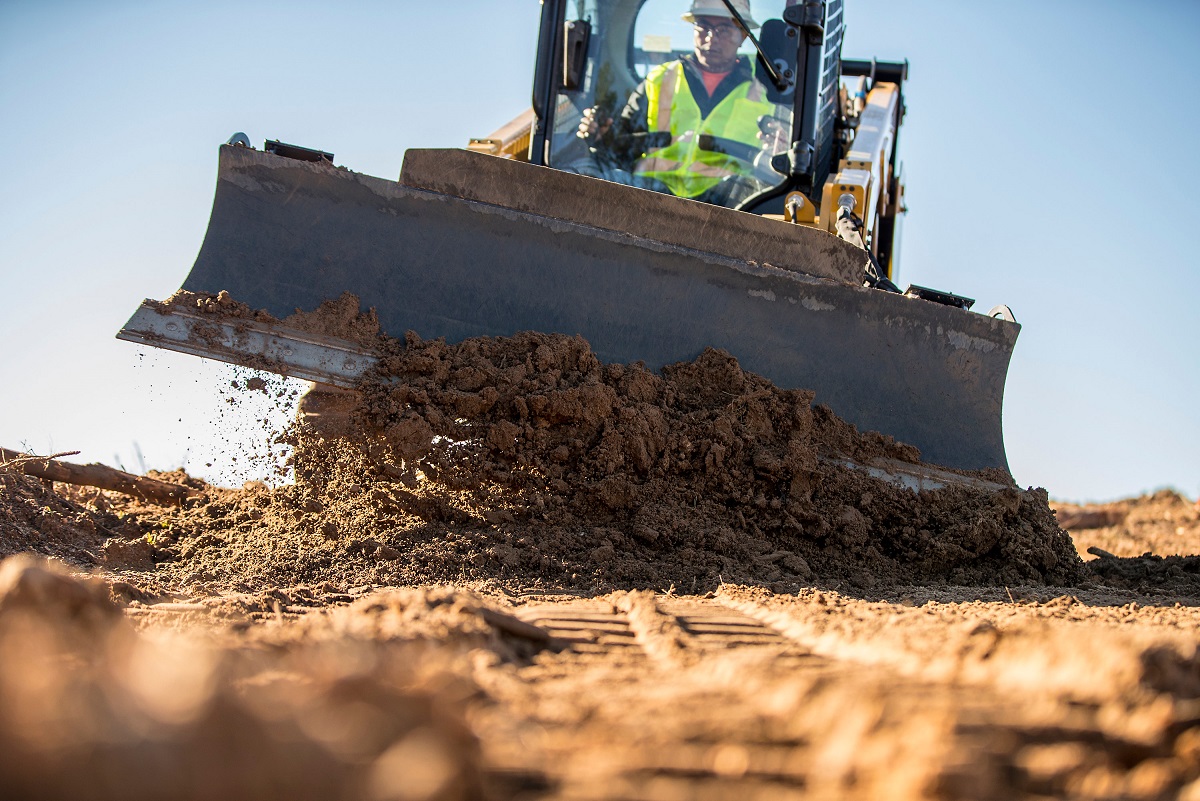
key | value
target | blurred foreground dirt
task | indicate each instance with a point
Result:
(118, 682)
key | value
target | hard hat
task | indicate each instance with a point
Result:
(716, 8)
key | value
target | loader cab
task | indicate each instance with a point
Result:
(829, 126)
(594, 54)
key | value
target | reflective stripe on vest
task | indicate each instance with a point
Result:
(666, 96)
(684, 166)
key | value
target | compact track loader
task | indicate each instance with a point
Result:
(543, 227)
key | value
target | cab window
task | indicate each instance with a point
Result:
(652, 111)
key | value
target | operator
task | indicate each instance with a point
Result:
(692, 127)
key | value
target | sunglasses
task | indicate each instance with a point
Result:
(722, 30)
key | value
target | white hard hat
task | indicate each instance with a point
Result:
(716, 8)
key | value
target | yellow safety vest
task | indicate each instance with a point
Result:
(687, 169)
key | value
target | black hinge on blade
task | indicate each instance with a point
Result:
(938, 296)
(296, 152)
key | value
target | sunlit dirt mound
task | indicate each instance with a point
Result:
(1165, 523)
(82, 526)
(1139, 542)
(35, 518)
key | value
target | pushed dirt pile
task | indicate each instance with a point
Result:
(552, 465)
(524, 461)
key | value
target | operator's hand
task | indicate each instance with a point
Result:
(592, 126)
(773, 140)
(772, 136)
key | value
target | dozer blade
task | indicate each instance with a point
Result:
(342, 363)
(263, 346)
(471, 245)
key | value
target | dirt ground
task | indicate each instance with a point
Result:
(512, 572)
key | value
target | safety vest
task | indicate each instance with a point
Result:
(705, 151)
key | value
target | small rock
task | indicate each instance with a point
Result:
(861, 578)
(129, 554)
(602, 555)
(795, 563)
(645, 533)
(124, 593)
(387, 553)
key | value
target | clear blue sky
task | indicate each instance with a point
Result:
(1050, 154)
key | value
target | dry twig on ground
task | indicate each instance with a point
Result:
(96, 475)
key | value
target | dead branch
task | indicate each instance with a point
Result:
(97, 475)
(23, 458)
